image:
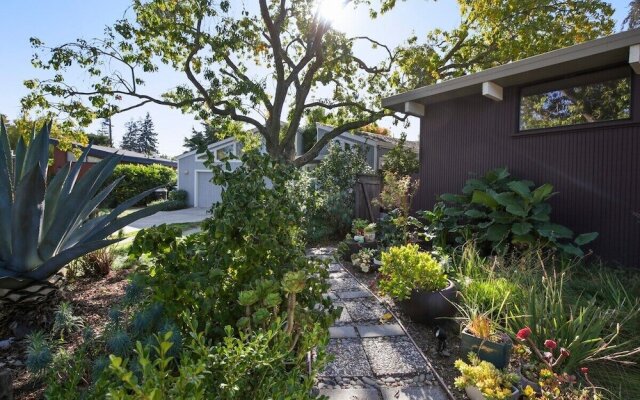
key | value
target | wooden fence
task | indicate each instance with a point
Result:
(367, 188)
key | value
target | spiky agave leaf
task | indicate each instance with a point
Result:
(42, 228)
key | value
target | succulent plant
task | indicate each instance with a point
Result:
(119, 344)
(45, 226)
(39, 355)
(64, 321)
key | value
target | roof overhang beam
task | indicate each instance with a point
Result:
(634, 58)
(492, 91)
(414, 108)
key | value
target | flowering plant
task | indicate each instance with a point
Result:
(550, 385)
(492, 383)
(363, 259)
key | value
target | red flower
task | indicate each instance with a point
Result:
(564, 352)
(584, 370)
(524, 333)
(550, 344)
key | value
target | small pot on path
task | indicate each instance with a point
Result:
(497, 353)
(425, 307)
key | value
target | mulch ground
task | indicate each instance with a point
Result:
(91, 300)
(422, 334)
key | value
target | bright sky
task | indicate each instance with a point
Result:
(56, 22)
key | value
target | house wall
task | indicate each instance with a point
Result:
(186, 175)
(594, 169)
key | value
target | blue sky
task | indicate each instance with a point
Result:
(60, 21)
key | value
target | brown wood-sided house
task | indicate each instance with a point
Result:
(570, 117)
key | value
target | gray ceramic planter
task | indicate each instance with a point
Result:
(425, 307)
(497, 354)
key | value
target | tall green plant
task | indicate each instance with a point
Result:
(500, 211)
(45, 226)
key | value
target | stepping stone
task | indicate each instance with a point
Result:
(343, 284)
(414, 393)
(330, 296)
(335, 268)
(350, 394)
(365, 309)
(342, 332)
(372, 331)
(394, 356)
(356, 294)
(344, 318)
(350, 359)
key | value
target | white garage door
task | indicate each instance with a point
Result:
(206, 192)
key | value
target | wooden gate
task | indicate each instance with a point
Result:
(367, 188)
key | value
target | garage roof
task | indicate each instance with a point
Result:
(586, 56)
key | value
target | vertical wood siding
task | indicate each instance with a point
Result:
(595, 170)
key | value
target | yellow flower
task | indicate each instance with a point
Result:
(529, 392)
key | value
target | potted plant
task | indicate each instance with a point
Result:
(481, 380)
(418, 282)
(363, 259)
(357, 228)
(370, 233)
(481, 335)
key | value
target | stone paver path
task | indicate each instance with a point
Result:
(374, 359)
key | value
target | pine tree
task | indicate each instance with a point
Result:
(130, 140)
(147, 137)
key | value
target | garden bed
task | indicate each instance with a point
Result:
(91, 300)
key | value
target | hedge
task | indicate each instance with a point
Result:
(138, 178)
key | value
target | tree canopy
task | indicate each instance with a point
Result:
(265, 62)
(495, 32)
(258, 65)
(66, 132)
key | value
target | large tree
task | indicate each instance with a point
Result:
(632, 20)
(495, 32)
(260, 65)
(212, 131)
(130, 138)
(279, 60)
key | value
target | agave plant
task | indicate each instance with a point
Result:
(45, 226)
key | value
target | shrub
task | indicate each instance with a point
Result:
(137, 178)
(500, 211)
(401, 160)
(330, 198)
(178, 195)
(396, 196)
(405, 269)
(97, 263)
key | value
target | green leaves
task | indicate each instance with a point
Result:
(503, 211)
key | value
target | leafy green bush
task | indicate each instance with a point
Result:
(401, 160)
(229, 313)
(328, 192)
(178, 195)
(406, 268)
(137, 178)
(499, 211)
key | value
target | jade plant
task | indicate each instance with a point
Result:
(500, 211)
(406, 268)
(44, 226)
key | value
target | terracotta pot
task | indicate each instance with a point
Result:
(475, 394)
(425, 307)
(497, 354)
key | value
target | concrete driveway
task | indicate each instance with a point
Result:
(171, 217)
